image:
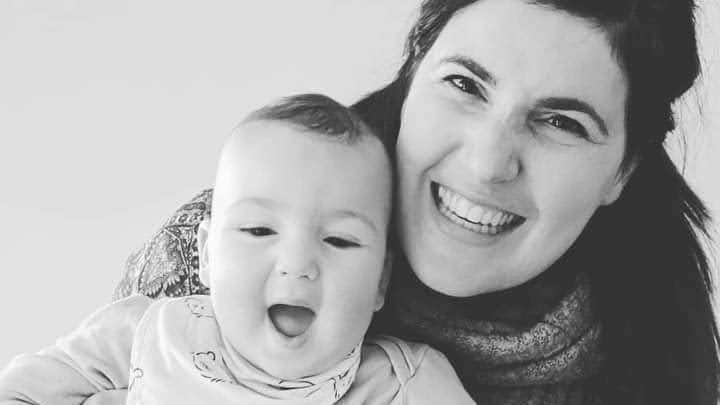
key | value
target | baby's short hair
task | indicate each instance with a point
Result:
(319, 114)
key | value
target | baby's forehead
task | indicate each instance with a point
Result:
(251, 141)
(271, 158)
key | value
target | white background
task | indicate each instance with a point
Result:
(112, 113)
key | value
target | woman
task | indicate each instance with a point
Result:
(550, 245)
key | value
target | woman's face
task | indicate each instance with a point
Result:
(512, 135)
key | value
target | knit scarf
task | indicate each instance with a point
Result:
(534, 344)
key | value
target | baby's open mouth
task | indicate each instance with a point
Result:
(291, 320)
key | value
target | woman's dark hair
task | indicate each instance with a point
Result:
(650, 276)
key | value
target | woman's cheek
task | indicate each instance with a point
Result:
(567, 188)
(425, 132)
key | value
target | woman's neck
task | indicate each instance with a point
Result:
(524, 304)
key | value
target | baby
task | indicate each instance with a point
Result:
(295, 258)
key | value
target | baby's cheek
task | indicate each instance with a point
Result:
(357, 303)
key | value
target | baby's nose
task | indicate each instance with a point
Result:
(298, 262)
(309, 272)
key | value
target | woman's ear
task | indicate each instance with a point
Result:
(202, 238)
(616, 188)
(613, 193)
(384, 281)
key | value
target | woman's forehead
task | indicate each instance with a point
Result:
(535, 50)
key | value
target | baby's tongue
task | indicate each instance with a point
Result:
(291, 320)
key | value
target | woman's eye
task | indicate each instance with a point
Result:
(466, 85)
(340, 243)
(258, 231)
(564, 123)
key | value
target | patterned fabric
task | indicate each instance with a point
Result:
(167, 265)
(536, 344)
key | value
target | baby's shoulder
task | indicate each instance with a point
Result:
(389, 362)
(179, 314)
(398, 371)
(198, 306)
(177, 324)
(402, 356)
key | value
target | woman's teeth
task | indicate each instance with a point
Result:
(477, 218)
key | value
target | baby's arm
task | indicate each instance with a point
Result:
(93, 358)
(114, 397)
(435, 382)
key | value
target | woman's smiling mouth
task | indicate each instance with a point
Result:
(477, 218)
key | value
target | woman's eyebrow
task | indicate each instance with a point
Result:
(473, 66)
(573, 104)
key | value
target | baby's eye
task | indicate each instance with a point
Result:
(466, 85)
(567, 124)
(258, 231)
(340, 243)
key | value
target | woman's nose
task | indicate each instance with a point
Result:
(297, 260)
(491, 152)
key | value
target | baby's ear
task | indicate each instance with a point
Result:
(202, 238)
(384, 281)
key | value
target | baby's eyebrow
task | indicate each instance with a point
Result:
(341, 214)
(258, 201)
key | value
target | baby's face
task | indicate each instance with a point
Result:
(295, 251)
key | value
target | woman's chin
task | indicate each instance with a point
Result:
(463, 274)
(456, 283)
